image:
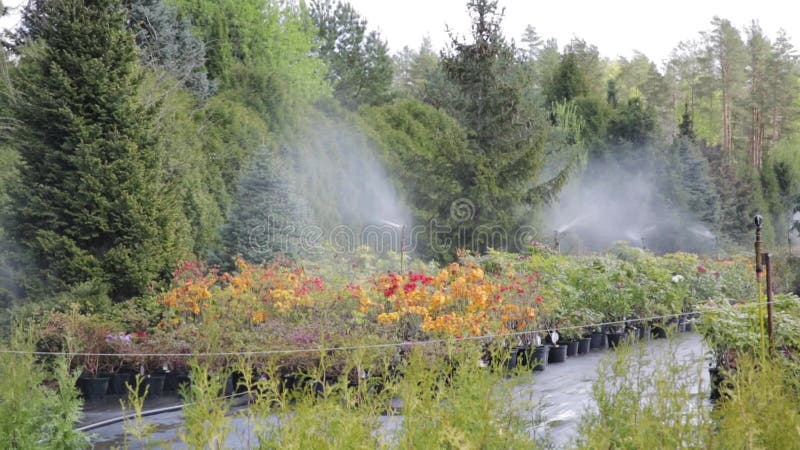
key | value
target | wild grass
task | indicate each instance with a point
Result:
(39, 404)
(433, 397)
(645, 402)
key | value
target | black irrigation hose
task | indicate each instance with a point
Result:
(152, 412)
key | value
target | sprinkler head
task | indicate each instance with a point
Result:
(758, 220)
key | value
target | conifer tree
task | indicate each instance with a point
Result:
(92, 203)
(359, 65)
(500, 169)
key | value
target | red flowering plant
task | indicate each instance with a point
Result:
(458, 301)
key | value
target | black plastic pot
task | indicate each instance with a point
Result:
(93, 388)
(584, 345)
(615, 339)
(718, 381)
(540, 357)
(170, 381)
(572, 348)
(646, 331)
(557, 354)
(681, 324)
(518, 356)
(230, 386)
(118, 385)
(658, 332)
(154, 385)
(598, 340)
(511, 361)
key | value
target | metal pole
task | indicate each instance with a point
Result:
(557, 242)
(402, 245)
(770, 332)
(759, 221)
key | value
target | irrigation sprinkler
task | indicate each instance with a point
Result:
(556, 242)
(795, 227)
(762, 259)
(402, 240)
(402, 246)
(759, 222)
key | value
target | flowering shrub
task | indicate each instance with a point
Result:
(286, 305)
(248, 296)
(458, 301)
(78, 333)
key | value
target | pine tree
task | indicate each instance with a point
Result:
(726, 49)
(686, 127)
(92, 203)
(360, 68)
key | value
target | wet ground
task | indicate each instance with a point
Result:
(559, 396)
(563, 391)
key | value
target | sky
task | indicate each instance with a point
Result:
(616, 27)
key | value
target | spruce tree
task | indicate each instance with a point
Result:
(269, 218)
(504, 141)
(701, 197)
(92, 202)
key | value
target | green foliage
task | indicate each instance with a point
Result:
(759, 407)
(167, 43)
(505, 135)
(632, 123)
(424, 148)
(39, 400)
(418, 73)
(696, 189)
(205, 413)
(269, 218)
(359, 66)
(644, 402)
(92, 201)
(259, 50)
(568, 82)
(9, 261)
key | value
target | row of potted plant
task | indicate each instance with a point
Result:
(284, 306)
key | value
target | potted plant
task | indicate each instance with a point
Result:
(571, 327)
(618, 305)
(120, 344)
(150, 364)
(539, 353)
(557, 353)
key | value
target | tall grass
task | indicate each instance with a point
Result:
(643, 402)
(39, 404)
(760, 409)
(432, 398)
